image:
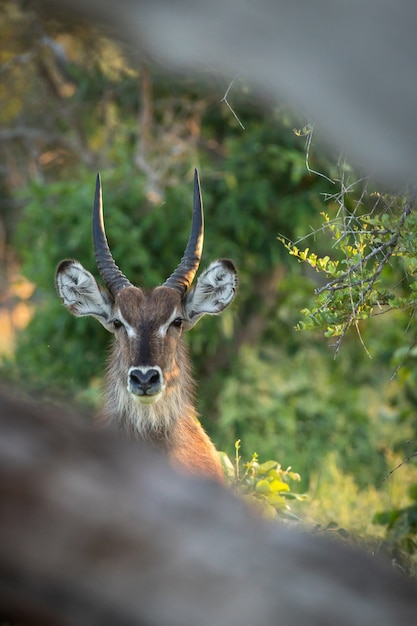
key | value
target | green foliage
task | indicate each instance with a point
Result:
(278, 391)
(148, 240)
(332, 527)
(284, 396)
(262, 188)
(401, 532)
(267, 486)
(369, 251)
(301, 406)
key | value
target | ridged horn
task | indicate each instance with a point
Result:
(108, 270)
(183, 276)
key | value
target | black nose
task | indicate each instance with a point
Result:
(145, 381)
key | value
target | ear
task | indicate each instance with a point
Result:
(81, 294)
(213, 292)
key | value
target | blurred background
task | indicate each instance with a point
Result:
(74, 102)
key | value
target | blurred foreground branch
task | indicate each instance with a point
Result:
(96, 530)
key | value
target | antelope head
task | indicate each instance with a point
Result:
(147, 325)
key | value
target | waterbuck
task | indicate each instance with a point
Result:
(148, 387)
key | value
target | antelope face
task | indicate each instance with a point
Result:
(148, 326)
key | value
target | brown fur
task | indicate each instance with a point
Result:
(149, 390)
(171, 422)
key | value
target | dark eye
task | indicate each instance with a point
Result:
(117, 323)
(177, 322)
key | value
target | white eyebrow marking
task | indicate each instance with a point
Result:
(129, 329)
(162, 330)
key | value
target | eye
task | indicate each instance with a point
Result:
(117, 323)
(177, 322)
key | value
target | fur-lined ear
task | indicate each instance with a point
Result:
(81, 294)
(213, 292)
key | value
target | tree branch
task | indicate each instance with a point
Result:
(98, 531)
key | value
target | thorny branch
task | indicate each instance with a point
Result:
(409, 458)
(386, 249)
(225, 100)
(309, 169)
(359, 280)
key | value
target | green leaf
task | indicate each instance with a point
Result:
(386, 518)
(263, 486)
(276, 500)
(267, 466)
(278, 486)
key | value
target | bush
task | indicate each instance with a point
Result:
(266, 486)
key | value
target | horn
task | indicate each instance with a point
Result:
(108, 270)
(183, 276)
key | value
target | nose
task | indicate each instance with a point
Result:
(144, 381)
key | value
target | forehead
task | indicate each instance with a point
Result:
(136, 305)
